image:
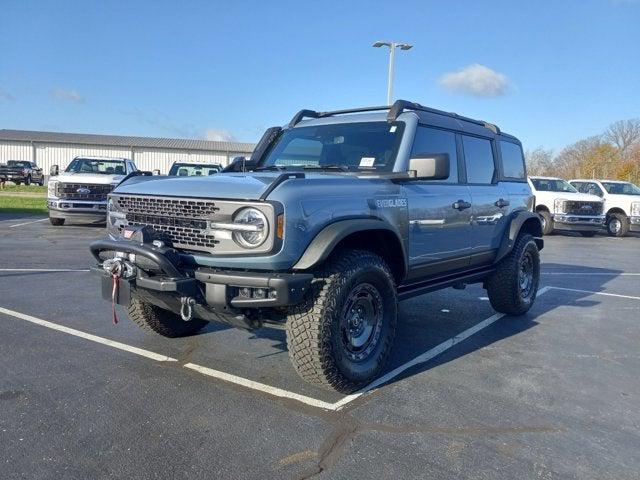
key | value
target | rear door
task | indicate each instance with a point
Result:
(490, 201)
(439, 211)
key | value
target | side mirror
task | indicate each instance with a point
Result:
(430, 166)
(54, 170)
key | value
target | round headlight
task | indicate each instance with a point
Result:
(253, 228)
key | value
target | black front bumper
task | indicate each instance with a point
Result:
(161, 271)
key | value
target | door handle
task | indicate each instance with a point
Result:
(461, 205)
(502, 203)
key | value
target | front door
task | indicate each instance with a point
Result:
(439, 211)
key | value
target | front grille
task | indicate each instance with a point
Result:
(69, 191)
(178, 222)
(583, 208)
(171, 207)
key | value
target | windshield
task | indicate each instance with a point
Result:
(552, 185)
(88, 165)
(16, 163)
(191, 169)
(616, 188)
(341, 146)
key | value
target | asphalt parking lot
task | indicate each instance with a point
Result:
(468, 394)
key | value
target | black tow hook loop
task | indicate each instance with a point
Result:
(186, 308)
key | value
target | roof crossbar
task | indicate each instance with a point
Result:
(394, 112)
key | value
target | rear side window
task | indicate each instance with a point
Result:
(478, 158)
(512, 160)
(431, 141)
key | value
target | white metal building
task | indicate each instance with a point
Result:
(52, 148)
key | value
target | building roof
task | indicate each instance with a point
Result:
(124, 141)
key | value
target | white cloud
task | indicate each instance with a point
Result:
(219, 135)
(68, 95)
(4, 95)
(477, 80)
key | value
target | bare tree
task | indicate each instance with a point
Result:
(539, 161)
(623, 134)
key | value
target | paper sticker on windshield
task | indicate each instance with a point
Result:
(393, 129)
(367, 161)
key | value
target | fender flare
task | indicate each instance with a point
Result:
(516, 222)
(325, 241)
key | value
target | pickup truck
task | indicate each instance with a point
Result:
(184, 169)
(80, 192)
(22, 171)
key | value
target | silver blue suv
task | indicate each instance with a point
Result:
(333, 220)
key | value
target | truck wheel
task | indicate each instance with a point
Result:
(341, 335)
(617, 225)
(587, 234)
(58, 222)
(512, 288)
(41, 182)
(163, 322)
(547, 222)
(28, 180)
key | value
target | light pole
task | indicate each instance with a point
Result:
(392, 49)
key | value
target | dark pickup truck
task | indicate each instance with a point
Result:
(22, 171)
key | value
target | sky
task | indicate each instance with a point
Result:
(549, 72)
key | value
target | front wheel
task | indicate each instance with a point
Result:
(28, 180)
(617, 225)
(341, 335)
(56, 222)
(547, 222)
(163, 322)
(513, 286)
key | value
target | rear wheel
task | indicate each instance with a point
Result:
(547, 222)
(58, 222)
(617, 225)
(163, 322)
(340, 337)
(512, 288)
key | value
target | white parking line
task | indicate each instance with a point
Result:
(88, 336)
(596, 293)
(278, 392)
(27, 223)
(622, 274)
(62, 270)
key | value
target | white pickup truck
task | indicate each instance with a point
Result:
(562, 207)
(80, 192)
(621, 203)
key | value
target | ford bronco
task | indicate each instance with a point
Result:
(333, 220)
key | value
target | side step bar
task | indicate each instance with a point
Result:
(414, 289)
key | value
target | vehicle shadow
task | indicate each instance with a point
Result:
(427, 321)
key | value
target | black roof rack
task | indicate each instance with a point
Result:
(394, 112)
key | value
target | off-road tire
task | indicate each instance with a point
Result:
(503, 285)
(624, 225)
(547, 222)
(56, 222)
(588, 234)
(163, 322)
(314, 336)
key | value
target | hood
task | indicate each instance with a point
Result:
(233, 186)
(578, 197)
(91, 178)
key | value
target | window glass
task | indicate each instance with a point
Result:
(478, 158)
(552, 185)
(620, 188)
(90, 165)
(344, 146)
(432, 141)
(193, 169)
(512, 160)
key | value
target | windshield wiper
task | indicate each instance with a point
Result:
(342, 168)
(272, 167)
